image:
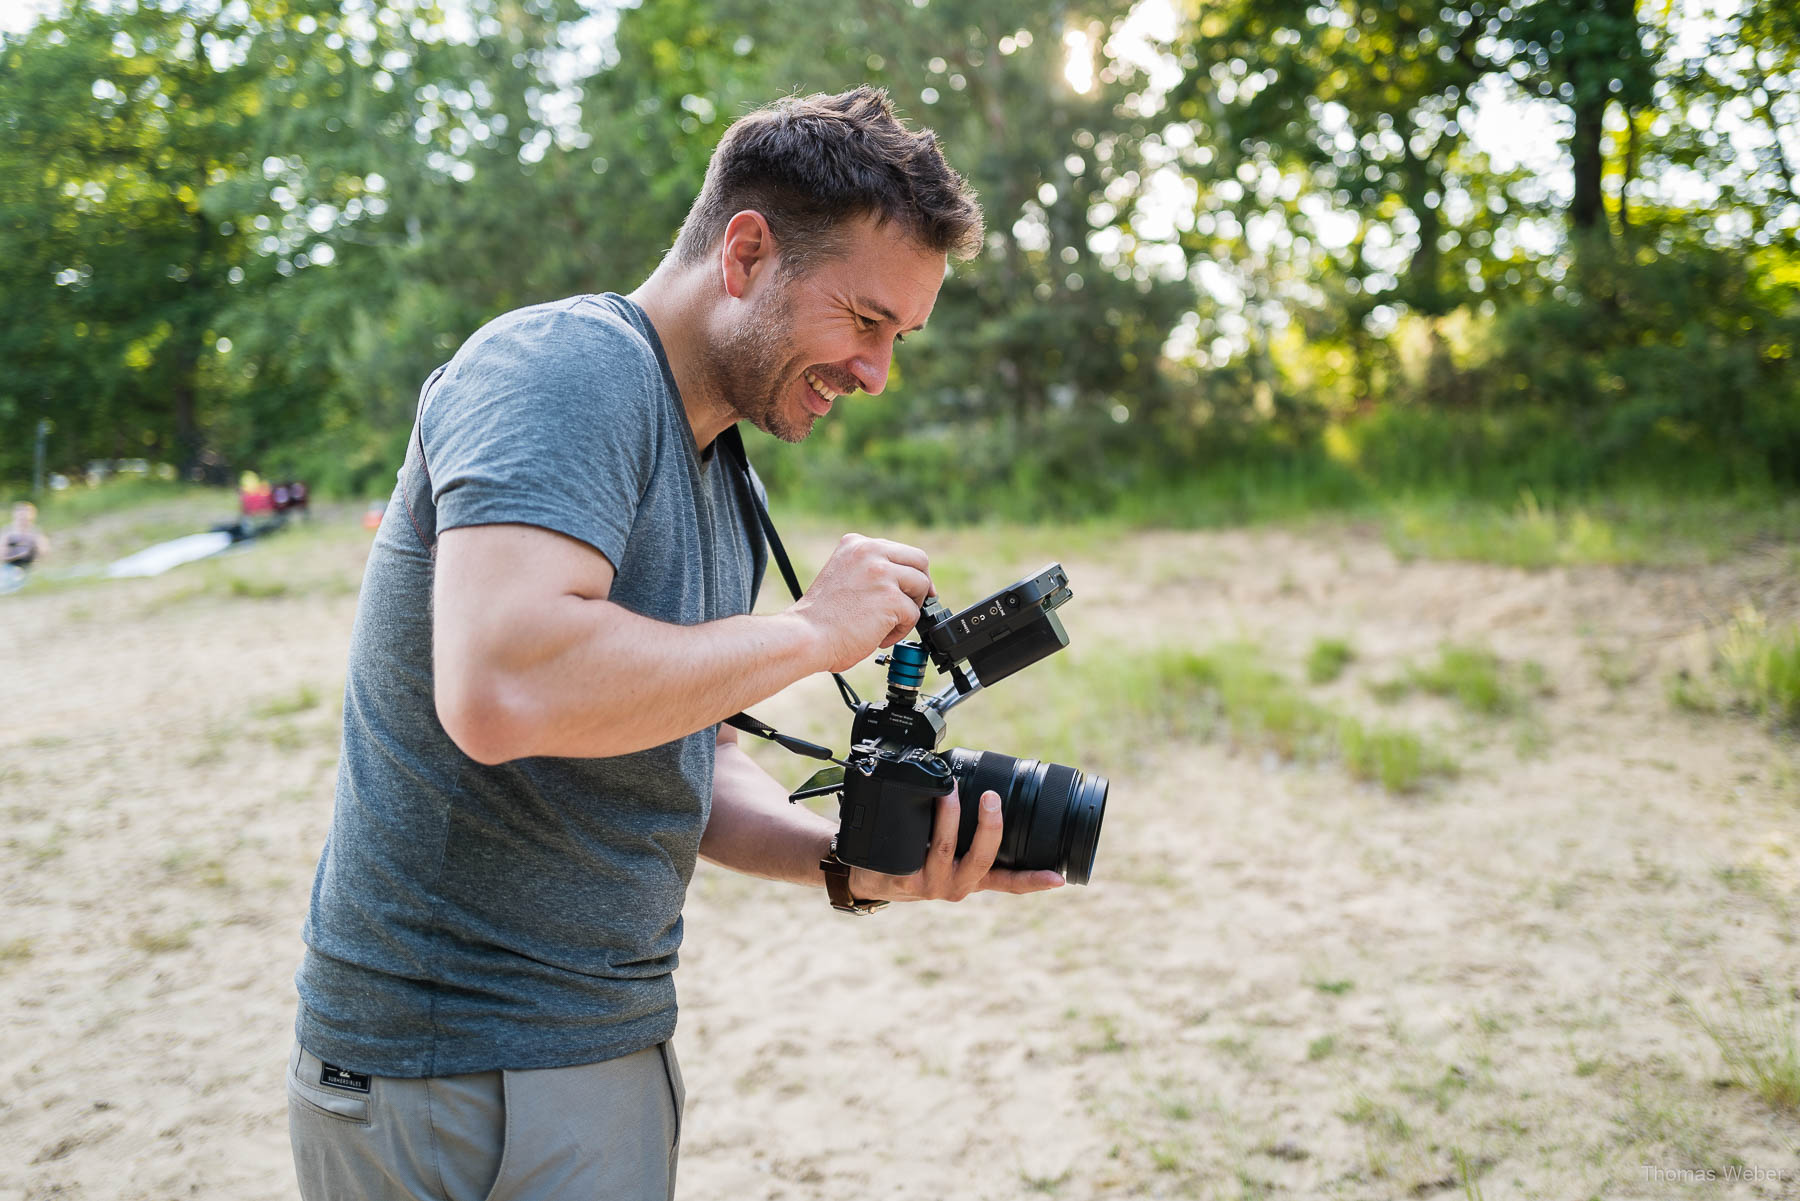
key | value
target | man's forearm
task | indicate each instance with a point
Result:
(753, 829)
(593, 679)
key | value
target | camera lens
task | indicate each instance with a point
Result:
(1052, 812)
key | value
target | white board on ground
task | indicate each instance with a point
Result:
(154, 560)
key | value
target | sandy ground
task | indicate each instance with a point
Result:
(1281, 983)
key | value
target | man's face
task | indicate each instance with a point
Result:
(806, 340)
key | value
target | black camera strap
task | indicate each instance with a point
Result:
(733, 442)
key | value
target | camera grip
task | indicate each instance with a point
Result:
(885, 824)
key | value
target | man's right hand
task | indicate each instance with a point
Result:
(866, 597)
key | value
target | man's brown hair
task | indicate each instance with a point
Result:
(810, 164)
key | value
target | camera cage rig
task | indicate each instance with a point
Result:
(996, 636)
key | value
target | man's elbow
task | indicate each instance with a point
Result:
(484, 719)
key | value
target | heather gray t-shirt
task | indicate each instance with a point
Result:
(466, 918)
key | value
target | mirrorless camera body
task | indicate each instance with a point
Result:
(894, 774)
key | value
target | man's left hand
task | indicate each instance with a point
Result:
(947, 878)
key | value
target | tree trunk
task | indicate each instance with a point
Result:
(1587, 208)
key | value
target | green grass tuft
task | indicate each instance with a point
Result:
(1760, 1047)
(1763, 666)
(1691, 693)
(1398, 759)
(302, 699)
(248, 589)
(1327, 660)
(1118, 706)
(1471, 676)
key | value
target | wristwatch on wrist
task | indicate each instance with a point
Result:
(837, 885)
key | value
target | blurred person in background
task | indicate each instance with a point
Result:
(23, 542)
(553, 625)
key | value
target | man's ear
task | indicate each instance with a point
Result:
(747, 250)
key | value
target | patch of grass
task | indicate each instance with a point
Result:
(1109, 1042)
(1047, 1185)
(1622, 527)
(1321, 1047)
(1691, 694)
(1176, 1109)
(1336, 988)
(1531, 534)
(41, 851)
(1380, 1118)
(303, 698)
(1616, 669)
(1467, 1173)
(16, 950)
(1397, 759)
(1471, 676)
(248, 589)
(1441, 1091)
(214, 739)
(185, 861)
(156, 942)
(1763, 666)
(1760, 1045)
(1328, 659)
(1585, 1066)
(1389, 692)
(83, 503)
(286, 736)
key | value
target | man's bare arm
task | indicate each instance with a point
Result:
(531, 657)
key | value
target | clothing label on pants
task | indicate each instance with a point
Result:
(337, 1077)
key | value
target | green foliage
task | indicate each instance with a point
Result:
(244, 234)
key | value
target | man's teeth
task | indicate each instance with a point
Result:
(818, 385)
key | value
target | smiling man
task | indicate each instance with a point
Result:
(554, 622)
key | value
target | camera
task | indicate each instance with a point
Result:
(894, 773)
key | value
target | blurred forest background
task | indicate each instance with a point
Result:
(1246, 257)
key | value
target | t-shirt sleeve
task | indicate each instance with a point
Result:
(548, 420)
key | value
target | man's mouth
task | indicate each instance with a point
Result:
(822, 391)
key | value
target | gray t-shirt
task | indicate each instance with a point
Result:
(466, 918)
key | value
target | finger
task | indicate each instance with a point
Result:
(940, 857)
(1003, 879)
(900, 552)
(916, 584)
(976, 861)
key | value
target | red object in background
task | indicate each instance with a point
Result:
(373, 514)
(281, 498)
(257, 500)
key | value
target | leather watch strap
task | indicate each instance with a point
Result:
(837, 885)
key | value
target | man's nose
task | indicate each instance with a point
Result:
(871, 369)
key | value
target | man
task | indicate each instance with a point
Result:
(553, 623)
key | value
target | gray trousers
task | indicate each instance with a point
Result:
(602, 1131)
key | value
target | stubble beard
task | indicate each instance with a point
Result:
(752, 372)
